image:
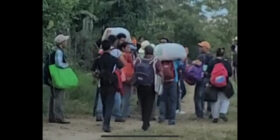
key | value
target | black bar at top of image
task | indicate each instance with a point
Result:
(162, 136)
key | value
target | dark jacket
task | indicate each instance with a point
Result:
(106, 62)
(228, 89)
(50, 60)
(104, 66)
(205, 58)
(215, 61)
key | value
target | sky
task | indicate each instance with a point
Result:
(210, 14)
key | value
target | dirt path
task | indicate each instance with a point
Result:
(86, 128)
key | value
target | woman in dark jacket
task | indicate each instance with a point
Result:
(220, 107)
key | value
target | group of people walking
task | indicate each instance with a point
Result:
(123, 68)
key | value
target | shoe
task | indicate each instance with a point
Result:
(215, 120)
(145, 126)
(63, 122)
(199, 118)
(223, 117)
(99, 119)
(182, 112)
(52, 121)
(119, 120)
(153, 119)
(107, 129)
(160, 120)
(171, 122)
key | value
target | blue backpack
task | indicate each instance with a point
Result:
(144, 72)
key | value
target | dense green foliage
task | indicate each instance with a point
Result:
(182, 21)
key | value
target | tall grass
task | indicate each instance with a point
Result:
(79, 100)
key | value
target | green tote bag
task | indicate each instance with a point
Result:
(63, 78)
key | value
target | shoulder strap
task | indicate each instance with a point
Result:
(154, 61)
(137, 58)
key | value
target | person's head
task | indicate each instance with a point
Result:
(125, 47)
(106, 45)
(134, 41)
(149, 50)
(113, 40)
(163, 40)
(121, 37)
(141, 39)
(145, 44)
(204, 46)
(61, 41)
(220, 52)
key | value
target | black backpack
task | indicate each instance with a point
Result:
(50, 59)
(210, 94)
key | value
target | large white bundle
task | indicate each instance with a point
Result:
(170, 51)
(115, 31)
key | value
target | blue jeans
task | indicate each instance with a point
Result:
(126, 100)
(199, 97)
(168, 102)
(117, 106)
(99, 107)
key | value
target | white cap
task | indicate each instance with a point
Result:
(153, 45)
(60, 38)
(144, 44)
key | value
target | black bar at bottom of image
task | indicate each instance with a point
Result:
(162, 136)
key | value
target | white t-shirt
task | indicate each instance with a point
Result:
(116, 53)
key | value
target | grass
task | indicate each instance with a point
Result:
(77, 101)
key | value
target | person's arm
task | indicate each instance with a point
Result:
(228, 67)
(59, 59)
(95, 72)
(122, 59)
(137, 60)
(119, 64)
(210, 68)
(158, 68)
(201, 58)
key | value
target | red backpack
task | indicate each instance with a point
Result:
(168, 70)
(219, 76)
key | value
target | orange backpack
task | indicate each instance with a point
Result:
(128, 70)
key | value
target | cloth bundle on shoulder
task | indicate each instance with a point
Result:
(115, 31)
(170, 51)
